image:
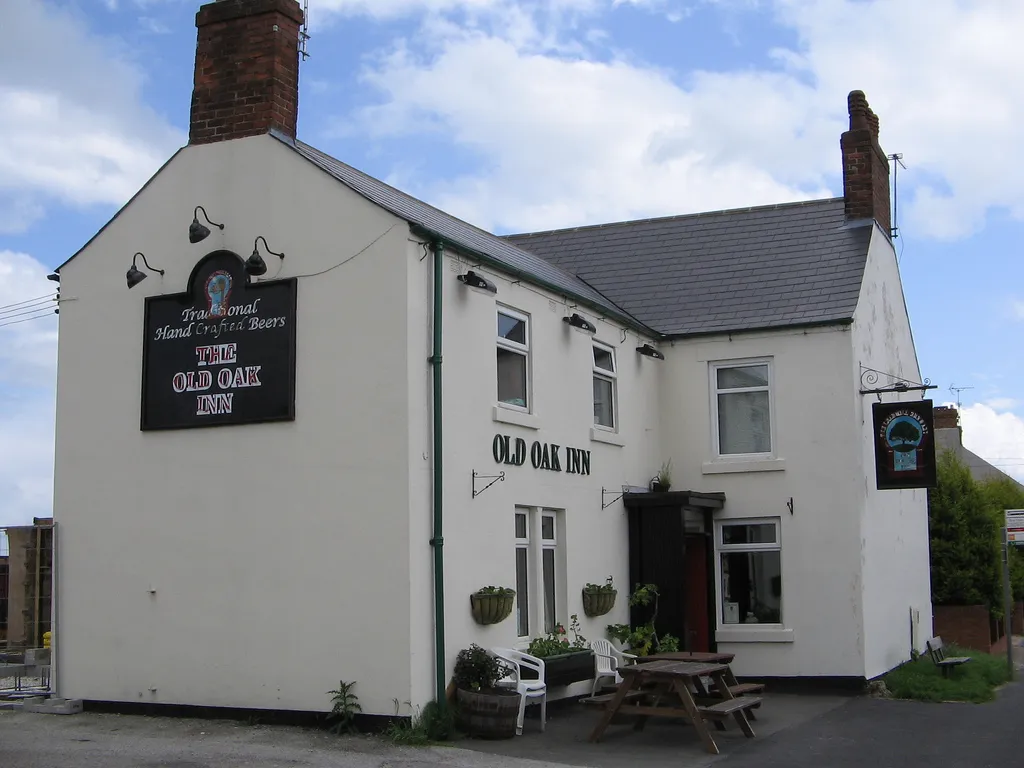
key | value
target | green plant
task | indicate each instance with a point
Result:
(346, 707)
(557, 642)
(501, 591)
(432, 724)
(477, 670)
(975, 682)
(643, 639)
(607, 587)
(665, 474)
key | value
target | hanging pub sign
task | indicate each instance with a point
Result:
(222, 352)
(904, 445)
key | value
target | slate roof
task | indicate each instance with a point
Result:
(737, 270)
(476, 242)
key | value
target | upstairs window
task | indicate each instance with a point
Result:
(604, 386)
(513, 359)
(742, 407)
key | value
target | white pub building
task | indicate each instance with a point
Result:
(331, 412)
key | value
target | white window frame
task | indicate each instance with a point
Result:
(713, 369)
(522, 349)
(535, 546)
(721, 549)
(611, 376)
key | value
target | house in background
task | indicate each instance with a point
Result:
(949, 436)
(332, 449)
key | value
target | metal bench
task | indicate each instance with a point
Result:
(939, 658)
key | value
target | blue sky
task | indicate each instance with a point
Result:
(532, 115)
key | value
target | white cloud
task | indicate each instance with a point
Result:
(73, 127)
(18, 213)
(568, 133)
(995, 435)
(28, 361)
(1002, 403)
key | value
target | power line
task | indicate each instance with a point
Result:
(26, 301)
(44, 313)
(6, 313)
(39, 308)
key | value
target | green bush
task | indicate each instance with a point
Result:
(974, 681)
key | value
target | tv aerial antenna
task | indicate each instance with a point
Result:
(304, 31)
(956, 393)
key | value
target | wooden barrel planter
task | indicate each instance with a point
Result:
(491, 609)
(488, 714)
(598, 603)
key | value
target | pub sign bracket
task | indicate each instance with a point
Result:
(891, 383)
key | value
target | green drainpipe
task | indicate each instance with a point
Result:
(437, 542)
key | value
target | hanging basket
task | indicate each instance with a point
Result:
(490, 609)
(598, 603)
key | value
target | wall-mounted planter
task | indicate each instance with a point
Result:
(564, 669)
(598, 603)
(491, 608)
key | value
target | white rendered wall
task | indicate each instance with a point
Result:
(894, 537)
(816, 463)
(279, 552)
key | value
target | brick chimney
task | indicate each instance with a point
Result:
(945, 417)
(865, 166)
(247, 69)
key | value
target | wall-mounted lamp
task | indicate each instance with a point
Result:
(478, 283)
(255, 265)
(197, 231)
(580, 323)
(135, 275)
(648, 351)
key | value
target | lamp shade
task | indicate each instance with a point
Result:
(648, 351)
(197, 231)
(134, 276)
(478, 283)
(255, 265)
(580, 323)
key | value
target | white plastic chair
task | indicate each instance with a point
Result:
(527, 689)
(607, 660)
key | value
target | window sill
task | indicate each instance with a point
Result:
(604, 436)
(520, 419)
(749, 634)
(724, 466)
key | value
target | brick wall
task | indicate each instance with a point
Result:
(968, 626)
(247, 69)
(945, 417)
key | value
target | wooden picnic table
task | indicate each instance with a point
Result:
(666, 688)
(714, 658)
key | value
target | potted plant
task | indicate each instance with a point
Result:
(565, 662)
(491, 604)
(598, 599)
(662, 481)
(485, 710)
(643, 639)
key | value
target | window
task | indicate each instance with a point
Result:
(522, 573)
(540, 567)
(513, 359)
(604, 386)
(750, 569)
(742, 408)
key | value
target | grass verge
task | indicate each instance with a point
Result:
(974, 681)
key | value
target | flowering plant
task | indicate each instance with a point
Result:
(557, 641)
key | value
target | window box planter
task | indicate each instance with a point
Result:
(598, 603)
(491, 608)
(564, 668)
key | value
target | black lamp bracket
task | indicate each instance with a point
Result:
(605, 493)
(266, 247)
(493, 478)
(195, 215)
(151, 269)
(890, 382)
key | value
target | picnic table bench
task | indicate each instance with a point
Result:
(939, 658)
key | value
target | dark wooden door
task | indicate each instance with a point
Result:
(698, 615)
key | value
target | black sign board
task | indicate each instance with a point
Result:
(904, 445)
(222, 352)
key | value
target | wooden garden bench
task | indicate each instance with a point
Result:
(940, 659)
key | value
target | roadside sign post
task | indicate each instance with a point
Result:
(1013, 533)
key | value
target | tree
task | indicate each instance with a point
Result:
(964, 538)
(1001, 494)
(905, 432)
